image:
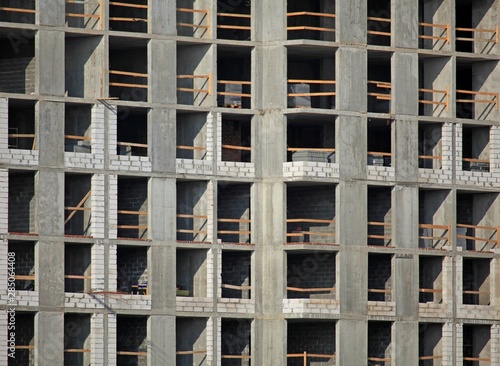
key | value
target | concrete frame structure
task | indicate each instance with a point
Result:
(152, 189)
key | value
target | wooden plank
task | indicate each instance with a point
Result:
(387, 20)
(241, 232)
(132, 226)
(321, 221)
(128, 5)
(128, 73)
(423, 358)
(234, 220)
(24, 277)
(69, 208)
(311, 94)
(234, 82)
(126, 85)
(430, 290)
(424, 90)
(240, 357)
(431, 226)
(477, 227)
(475, 30)
(376, 153)
(300, 13)
(318, 233)
(300, 81)
(232, 15)
(430, 157)
(191, 90)
(131, 144)
(190, 352)
(306, 27)
(128, 353)
(187, 10)
(118, 19)
(76, 15)
(126, 212)
(191, 216)
(77, 206)
(310, 149)
(75, 137)
(77, 277)
(234, 287)
(319, 289)
(75, 350)
(24, 347)
(234, 147)
(18, 10)
(235, 94)
(21, 135)
(237, 27)
(191, 25)
(443, 26)
(192, 231)
(182, 147)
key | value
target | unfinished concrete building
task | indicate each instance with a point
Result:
(237, 182)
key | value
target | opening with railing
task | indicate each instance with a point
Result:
(17, 62)
(128, 16)
(430, 343)
(24, 252)
(311, 343)
(477, 348)
(379, 216)
(132, 340)
(234, 20)
(304, 283)
(379, 22)
(311, 139)
(78, 205)
(77, 349)
(192, 22)
(379, 82)
(20, 11)
(476, 148)
(434, 91)
(192, 272)
(476, 281)
(22, 206)
(77, 270)
(192, 133)
(236, 342)
(132, 131)
(434, 27)
(132, 208)
(194, 75)
(379, 277)
(430, 145)
(132, 268)
(379, 343)
(21, 125)
(236, 274)
(25, 338)
(310, 216)
(431, 279)
(77, 128)
(311, 20)
(234, 87)
(476, 26)
(379, 142)
(236, 138)
(234, 213)
(192, 211)
(85, 14)
(434, 219)
(191, 341)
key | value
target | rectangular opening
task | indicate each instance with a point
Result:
(192, 211)
(430, 145)
(311, 80)
(78, 204)
(311, 139)
(379, 277)
(379, 22)
(22, 202)
(132, 208)
(477, 344)
(19, 11)
(236, 274)
(132, 131)
(17, 63)
(128, 76)
(25, 339)
(194, 75)
(191, 341)
(434, 219)
(476, 148)
(476, 281)
(236, 342)
(77, 350)
(233, 213)
(24, 255)
(430, 344)
(84, 14)
(192, 135)
(310, 214)
(431, 279)
(192, 272)
(311, 20)
(234, 20)
(379, 82)
(379, 142)
(132, 340)
(476, 26)
(380, 216)
(379, 343)
(311, 342)
(434, 75)
(236, 138)
(311, 275)
(77, 269)
(129, 16)
(434, 32)
(234, 85)
(193, 19)
(78, 128)
(21, 122)
(132, 264)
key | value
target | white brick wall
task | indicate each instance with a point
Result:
(98, 131)
(458, 146)
(97, 267)
(113, 206)
(447, 344)
(3, 267)
(98, 204)
(309, 169)
(112, 268)
(495, 344)
(4, 200)
(211, 324)
(112, 130)
(111, 340)
(447, 146)
(210, 135)
(97, 339)
(3, 338)
(199, 167)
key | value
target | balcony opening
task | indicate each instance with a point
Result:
(236, 274)
(310, 216)
(21, 122)
(20, 11)
(234, 86)
(129, 16)
(476, 26)
(84, 14)
(25, 339)
(380, 277)
(193, 19)
(132, 132)
(77, 270)
(234, 20)
(311, 20)
(434, 86)
(132, 340)
(192, 273)
(430, 279)
(22, 202)
(236, 138)
(191, 341)
(17, 62)
(311, 275)
(430, 145)
(379, 82)
(311, 343)
(132, 264)
(379, 343)
(128, 76)
(379, 22)
(132, 208)
(194, 75)
(430, 344)
(379, 142)
(477, 346)
(434, 26)
(379, 216)
(236, 342)
(77, 349)
(311, 139)
(234, 213)
(192, 135)
(78, 205)
(192, 211)
(434, 219)
(24, 254)
(77, 128)
(476, 281)
(476, 148)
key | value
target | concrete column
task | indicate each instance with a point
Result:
(162, 18)
(50, 132)
(162, 139)
(351, 147)
(404, 81)
(404, 343)
(161, 333)
(162, 81)
(405, 149)
(352, 342)
(49, 54)
(51, 12)
(49, 338)
(351, 21)
(404, 16)
(351, 75)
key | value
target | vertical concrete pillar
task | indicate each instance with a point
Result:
(351, 21)
(404, 16)
(161, 333)
(49, 54)
(49, 338)
(162, 18)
